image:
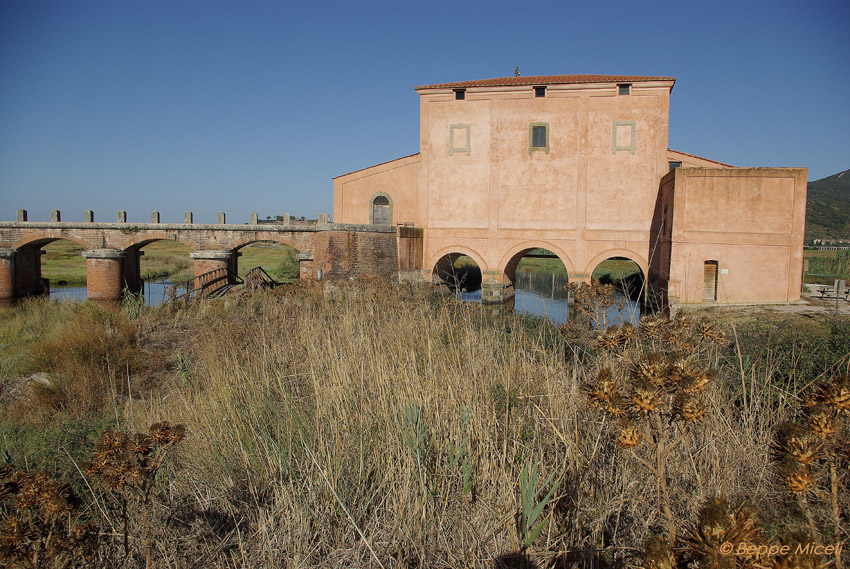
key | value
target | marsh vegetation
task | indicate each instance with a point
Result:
(372, 426)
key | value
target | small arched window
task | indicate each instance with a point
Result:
(380, 210)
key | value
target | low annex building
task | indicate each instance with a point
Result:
(580, 165)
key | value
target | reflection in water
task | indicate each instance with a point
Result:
(541, 293)
(155, 292)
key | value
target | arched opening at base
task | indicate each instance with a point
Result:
(626, 276)
(629, 289)
(540, 279)
(277, 259)
(459, 272)
(164, 268)
(62, 269)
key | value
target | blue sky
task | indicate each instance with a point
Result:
(250, 105)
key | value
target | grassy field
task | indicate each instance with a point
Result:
(824, 267)
(63, 263)
(390, 427)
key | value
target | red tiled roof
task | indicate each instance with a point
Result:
(701, 158)
(545, 80)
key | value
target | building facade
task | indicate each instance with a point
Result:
(580, 165)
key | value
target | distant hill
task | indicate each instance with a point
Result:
(828, 208)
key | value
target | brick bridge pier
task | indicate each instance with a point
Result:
(326, 251)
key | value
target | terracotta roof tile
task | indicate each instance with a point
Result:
(545, 80)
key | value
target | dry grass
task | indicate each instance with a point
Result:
(386, 427)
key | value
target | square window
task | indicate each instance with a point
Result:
(623, 136)
(540, 91)
(624, 89)
(460, 139)
(460, 94)
(538, 137)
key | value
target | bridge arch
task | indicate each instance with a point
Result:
(38, 241)
(245, 241)
(635, 291)
(442, 266)
(509, 261)
(147, 237)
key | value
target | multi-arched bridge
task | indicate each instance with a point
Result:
(113, 250)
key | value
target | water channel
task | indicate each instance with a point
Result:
(538, 292)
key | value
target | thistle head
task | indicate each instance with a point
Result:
(645, 398)
(820, 422)
(650, 368)
(689, 408)
(657, 554)
(796, 477)
(796, 442)
(602, 390)
(629, 435)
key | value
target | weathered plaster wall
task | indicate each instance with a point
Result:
(751, 221)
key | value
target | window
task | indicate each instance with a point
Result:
(624, 89)
(709, 284)
(538, 137)
(460, 139)
(460, 94)
(540, 91)
(381, 211)
(623, 136)
(674, 165)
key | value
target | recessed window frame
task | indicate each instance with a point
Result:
(632, 146)
(531, 147)
(460, 94)
(465, 138)
(673, 165)
(624, 88)
(540, 91)
(388, 205)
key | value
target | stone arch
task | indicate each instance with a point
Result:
(631, 256)
(147, 237)
(244, 242)
(40, 240)
(27, 275)
(437, 256)
(375, 217)
(509, 261)
(628, 254)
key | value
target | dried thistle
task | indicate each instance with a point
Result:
(650, 368)
(796, 477)
(602, 391)
(798, 443)
(720, 522)
(835, 393)
(689, 408)
(820, 423)
(645, 398)
(629, 435)
(657, 554)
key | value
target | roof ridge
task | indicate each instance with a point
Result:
(546, 79)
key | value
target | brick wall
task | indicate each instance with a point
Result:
(103, 279)
(344, 255)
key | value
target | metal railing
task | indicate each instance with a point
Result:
(212, 281)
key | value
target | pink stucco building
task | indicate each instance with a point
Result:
(579, 165)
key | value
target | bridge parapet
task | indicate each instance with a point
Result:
(333, 251)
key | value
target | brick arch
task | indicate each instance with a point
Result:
(510, 260)
(435, 258)
(630, 255)
(41, 239)
(142, 239)
(235, 246)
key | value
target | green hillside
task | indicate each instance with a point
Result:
(828, 208)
